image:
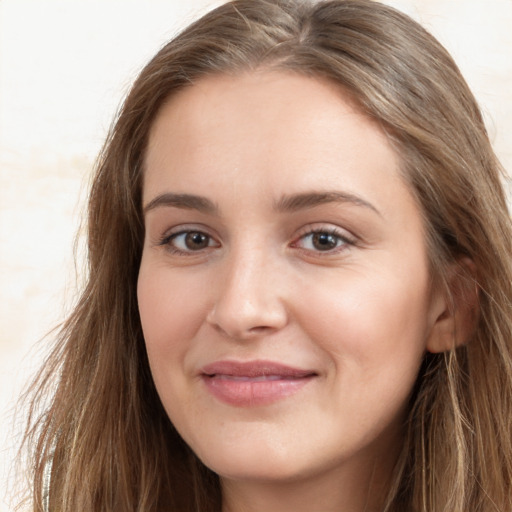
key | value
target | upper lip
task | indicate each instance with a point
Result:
(253, 369)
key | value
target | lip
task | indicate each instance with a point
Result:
(253, 383)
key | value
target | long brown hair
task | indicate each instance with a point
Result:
(105, 440)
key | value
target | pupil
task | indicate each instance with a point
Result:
(324, 241)
(196, 240)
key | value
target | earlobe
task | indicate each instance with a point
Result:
(456, 309)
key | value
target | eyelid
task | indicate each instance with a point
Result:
(182, 229)
(348, 238)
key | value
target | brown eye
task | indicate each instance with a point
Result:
(195, 240)
(189, 241)
(324, 241)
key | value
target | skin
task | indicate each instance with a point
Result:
(360, 313)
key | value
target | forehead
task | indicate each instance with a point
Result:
(255, 100)
(276, 132)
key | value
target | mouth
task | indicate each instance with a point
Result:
(254, 383)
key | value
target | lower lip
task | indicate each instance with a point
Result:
(253, 392)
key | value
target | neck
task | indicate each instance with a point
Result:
(345, 489)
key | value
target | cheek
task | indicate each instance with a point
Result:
(171, 310)
(374, 335)
(370, 326)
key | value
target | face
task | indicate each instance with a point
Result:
(284, 289)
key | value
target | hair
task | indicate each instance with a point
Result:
(105, 440)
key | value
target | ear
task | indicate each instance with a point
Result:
(455, 309)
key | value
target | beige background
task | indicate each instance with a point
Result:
(64, 67)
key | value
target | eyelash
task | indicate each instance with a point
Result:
(342, 240)
(167, 242)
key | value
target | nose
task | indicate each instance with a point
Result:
(248, 299)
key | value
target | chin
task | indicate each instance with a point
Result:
(259, 462)
(260, 471)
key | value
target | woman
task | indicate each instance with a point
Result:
(299, 281)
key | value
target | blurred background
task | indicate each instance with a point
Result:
(65, 65)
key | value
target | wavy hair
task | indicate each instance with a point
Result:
(105, 438)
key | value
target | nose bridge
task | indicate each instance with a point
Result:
(248, 300)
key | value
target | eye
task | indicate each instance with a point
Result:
(323, 241)
(188, 241)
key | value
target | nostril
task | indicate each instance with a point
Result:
(262, 329)
(237, 332)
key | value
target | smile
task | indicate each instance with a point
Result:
(254, 383)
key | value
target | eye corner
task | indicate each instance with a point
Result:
(188, 241)
(322, 240)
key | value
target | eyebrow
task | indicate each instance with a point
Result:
(295, 202)
(287, 203)
(185, 201)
